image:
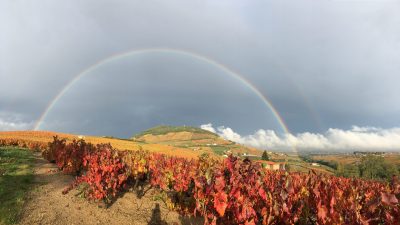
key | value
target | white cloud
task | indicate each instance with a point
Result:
(354, 139)
(13, 122)
(208, 127)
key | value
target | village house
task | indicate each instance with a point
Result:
(273, 165)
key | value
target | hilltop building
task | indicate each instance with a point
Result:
(273, 165)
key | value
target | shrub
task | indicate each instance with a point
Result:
(54, 148)
(106, 173)
(235, 191)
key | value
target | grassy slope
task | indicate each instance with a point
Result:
(16, 179)
(47, 136)
(352, 159)
(192, 138)
(161, 130)
(296, 164)
(174, 144)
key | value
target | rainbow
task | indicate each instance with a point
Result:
(180, 52)
(300, 91)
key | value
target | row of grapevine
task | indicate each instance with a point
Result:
(232, 191)
(34, 145)
(241, 192)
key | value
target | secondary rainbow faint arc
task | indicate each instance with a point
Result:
(170, 51)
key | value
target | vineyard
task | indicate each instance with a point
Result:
(232, 191)
(229, 191)
(40, 139)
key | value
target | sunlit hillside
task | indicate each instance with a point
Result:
(46, 136)
(193, 138)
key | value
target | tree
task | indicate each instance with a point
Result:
(347, 170)
(375, 167)
(265, 156)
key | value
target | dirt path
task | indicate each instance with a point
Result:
(47, 205)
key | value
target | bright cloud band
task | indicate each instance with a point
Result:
(354, 139)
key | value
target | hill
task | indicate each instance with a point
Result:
(163, 129)
(192, 138)
(43, 137)
(183, 141)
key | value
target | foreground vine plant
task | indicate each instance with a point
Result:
(232, 191)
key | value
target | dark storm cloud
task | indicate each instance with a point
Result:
(139, 92)
(323, 64)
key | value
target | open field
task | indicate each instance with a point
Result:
(393, 158)
(16, 179)
(46, 136)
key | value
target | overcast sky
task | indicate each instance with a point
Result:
(331, 69)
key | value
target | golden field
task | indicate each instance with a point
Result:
(47, 136)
